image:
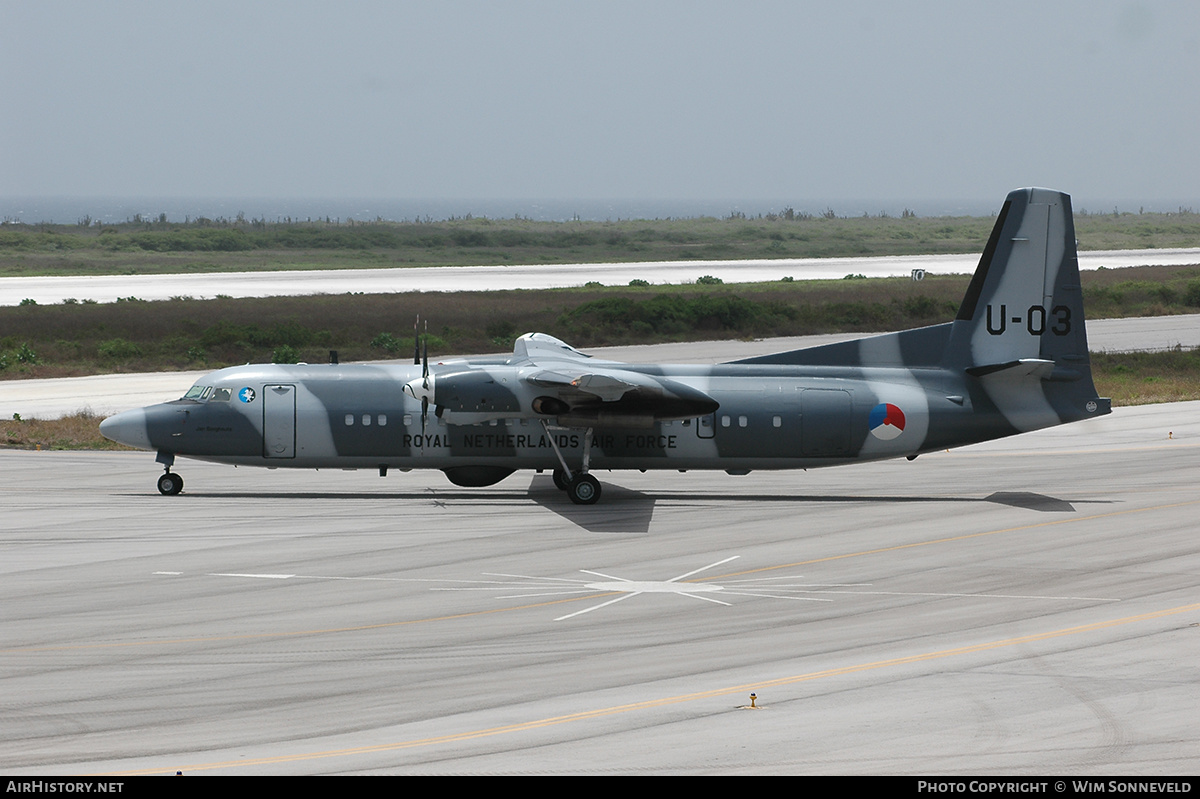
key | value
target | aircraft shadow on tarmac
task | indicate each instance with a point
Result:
(626, 510)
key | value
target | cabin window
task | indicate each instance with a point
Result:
(407, 419)
(366, 420)
(349, 420)
(743, 421)
(724, 421)
(382, 419)
(777, 421)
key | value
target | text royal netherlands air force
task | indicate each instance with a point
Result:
(1014, 359)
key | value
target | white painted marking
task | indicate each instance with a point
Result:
(260, 576)
(650, 587)
(704, 568)
(595, 607)
(636, 587)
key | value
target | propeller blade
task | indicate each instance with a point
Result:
(416, 342)
(425, 358)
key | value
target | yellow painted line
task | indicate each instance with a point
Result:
(587, 715)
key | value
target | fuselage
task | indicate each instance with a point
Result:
(359, 416)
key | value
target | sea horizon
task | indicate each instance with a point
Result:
(113, 210)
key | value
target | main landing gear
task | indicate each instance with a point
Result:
(581, 487)
(170, 483)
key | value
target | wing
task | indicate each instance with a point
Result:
(547, 378)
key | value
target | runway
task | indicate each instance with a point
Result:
(1028, 606)
(108, 288)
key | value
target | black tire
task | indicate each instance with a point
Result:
(584, 490)
(562, 480)
(170, 484)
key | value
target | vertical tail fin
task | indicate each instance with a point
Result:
(1022, 316)
(1018, 340)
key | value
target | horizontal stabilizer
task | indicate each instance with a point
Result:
(1026, 367)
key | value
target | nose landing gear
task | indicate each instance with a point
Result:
(170, 483)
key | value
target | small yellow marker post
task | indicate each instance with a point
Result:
(752, 698)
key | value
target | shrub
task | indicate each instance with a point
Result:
(1191, 294)
(118, 348)
(387, 342)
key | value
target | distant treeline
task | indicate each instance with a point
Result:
(788, 234)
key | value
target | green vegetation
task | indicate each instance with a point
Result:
(206, 245)
(81, 431)
(136, 336)
(1140, 378)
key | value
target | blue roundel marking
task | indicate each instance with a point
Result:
(886, 421)
(246, 394)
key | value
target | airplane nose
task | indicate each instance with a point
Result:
(128, 428)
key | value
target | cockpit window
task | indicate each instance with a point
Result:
(197, 392)
(221, 395)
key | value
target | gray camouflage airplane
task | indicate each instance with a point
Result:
(1014, 359)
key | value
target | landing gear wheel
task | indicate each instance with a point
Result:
(584, 490)
(562, 480)
(170, 484)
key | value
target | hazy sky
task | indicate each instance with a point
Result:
(654, 99)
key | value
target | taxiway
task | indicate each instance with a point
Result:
(1023, 606)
